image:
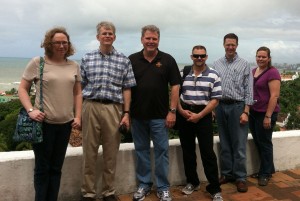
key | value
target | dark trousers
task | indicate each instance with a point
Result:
(263, 140)
(203, 131)
(49, 158)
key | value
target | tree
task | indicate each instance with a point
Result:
(9, 107)
(7, 128)
(290, 102)
(294, 121)
(11, 92)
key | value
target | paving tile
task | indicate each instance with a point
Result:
(297, 193)
(283, 186)
(296, 171)
(280, 176)
(293, 173)
(252, 194)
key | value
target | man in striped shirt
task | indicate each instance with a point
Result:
(201, 90)
(232, 113)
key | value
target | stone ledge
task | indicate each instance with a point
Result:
(16, 168)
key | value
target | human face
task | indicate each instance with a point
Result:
(106, 36)
(262, 59)
(230, 46)
(60, 45)
(199, 61)
(150, 41)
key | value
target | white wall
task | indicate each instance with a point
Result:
(16, 168)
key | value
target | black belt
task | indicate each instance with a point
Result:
(193, 108)
(229, 101)
(104, 101)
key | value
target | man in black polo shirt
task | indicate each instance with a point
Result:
(153, 112)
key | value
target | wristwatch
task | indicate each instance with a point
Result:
(247, 113)
(30, 110)
(126, 111)
(172, 110)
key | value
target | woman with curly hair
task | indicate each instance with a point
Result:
(62, 101)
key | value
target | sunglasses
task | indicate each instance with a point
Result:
(196, 56)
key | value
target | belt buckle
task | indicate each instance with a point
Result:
(103, 101)
(193, 107)
(106, 101)
(228, 101)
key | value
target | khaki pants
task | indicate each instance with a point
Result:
(100, 123)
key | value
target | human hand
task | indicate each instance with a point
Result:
(170, 120)
(125, 121)
(194, 117)
(244, 118)
(76, 123)
(267, 123)
(37, 115)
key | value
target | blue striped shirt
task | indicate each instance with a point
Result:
(105, 76)
(237, 81)
(201, 89)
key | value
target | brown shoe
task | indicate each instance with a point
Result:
(224, 180)
(241, 186)
(111, 198)
(88, 199)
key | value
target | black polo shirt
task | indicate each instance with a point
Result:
(150, 97)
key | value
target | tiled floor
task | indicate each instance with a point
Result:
(283, 186)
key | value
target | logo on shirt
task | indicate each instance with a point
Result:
(158, 64)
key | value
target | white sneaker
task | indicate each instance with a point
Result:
(190, 188)
(140, 194)
(217, 197)
(164, 195)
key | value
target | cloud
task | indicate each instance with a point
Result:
(283, 51)
(182, 23)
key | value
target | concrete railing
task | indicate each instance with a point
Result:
(16, 168)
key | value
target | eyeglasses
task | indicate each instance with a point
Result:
(59, 43)
(196, 56)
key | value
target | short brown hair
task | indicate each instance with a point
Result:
(47, 43)
(231, 36)
(199, 47)
(151, 28)
(106, 25)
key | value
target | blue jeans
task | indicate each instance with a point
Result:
(142, 132)
(49, 159)
(233, 140)
(263, 140)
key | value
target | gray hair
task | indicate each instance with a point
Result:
(106, 25)
(151, 28)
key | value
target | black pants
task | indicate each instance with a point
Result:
(49, 159)
(263, 141)
(203, 131)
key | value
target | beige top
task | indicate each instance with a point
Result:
(58, 84)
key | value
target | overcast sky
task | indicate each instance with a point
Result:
(183, 24)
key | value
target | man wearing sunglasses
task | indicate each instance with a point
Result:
(232, 113)
(200, 92)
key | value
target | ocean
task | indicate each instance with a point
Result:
(11, 70)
